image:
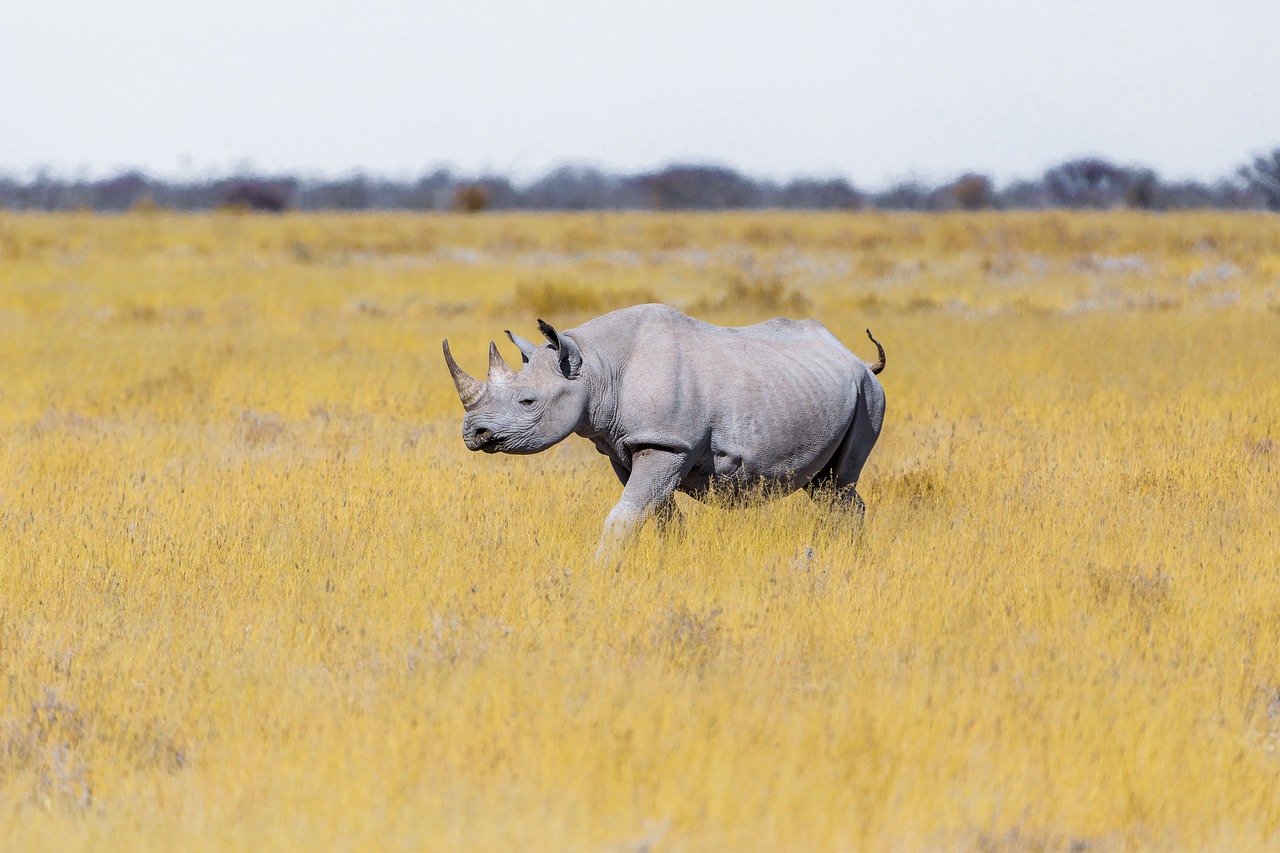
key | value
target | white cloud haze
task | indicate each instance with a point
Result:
(868, 91)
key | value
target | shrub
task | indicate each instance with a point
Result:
(568, 297)
(972, 192)
(470, 198)
(757, 292)
(1263, 177)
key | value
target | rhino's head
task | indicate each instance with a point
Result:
(523, 412)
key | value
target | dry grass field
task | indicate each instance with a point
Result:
(256, 594)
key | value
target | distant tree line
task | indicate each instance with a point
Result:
(1088, 183)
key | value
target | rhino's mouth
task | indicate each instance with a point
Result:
(482, 438)
(489, 443)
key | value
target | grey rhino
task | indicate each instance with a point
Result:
(681, 405)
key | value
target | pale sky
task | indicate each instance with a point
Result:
(870, 91)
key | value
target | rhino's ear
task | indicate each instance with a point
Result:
(550, 333)
(527, 348)
(570, 355)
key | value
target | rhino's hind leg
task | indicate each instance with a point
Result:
(840, 476)
(855, 503)
(824, 488)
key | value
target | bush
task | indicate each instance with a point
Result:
(755, 292)
(260, 195)
(470, 198)
(1263, 177)
(972, 192)
(551, 297)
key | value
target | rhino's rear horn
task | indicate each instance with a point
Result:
(470, 389)
(499, 370)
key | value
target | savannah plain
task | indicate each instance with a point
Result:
(256, 594)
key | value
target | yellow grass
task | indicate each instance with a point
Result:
(255, 593)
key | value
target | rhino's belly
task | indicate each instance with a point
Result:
(737, 470)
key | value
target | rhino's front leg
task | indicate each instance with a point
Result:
(650, 489)
(668, 516)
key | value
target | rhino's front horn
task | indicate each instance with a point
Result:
(470, 390)
(499, 370)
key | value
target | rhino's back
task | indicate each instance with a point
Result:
(647, 330)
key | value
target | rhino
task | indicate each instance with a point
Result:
(678, 404)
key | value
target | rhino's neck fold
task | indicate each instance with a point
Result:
(602, 397)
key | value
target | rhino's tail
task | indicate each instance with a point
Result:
(879, 365)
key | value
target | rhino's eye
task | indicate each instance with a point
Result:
(527, 402)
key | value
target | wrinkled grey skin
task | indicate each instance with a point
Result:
(681, 405)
